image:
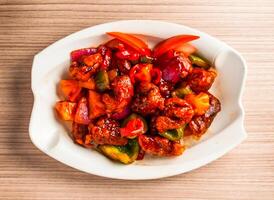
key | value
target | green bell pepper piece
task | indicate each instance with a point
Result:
(175, 134)
(102, 81)
(182, 92)
(146, 59)
(125, 154)
(198, 61)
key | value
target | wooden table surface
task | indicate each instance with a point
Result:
(27, 27)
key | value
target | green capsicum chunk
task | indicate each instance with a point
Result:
(198, 61)
(134, 62)
(146, 59)
(182, 91)
(125, 154)
(175, 134)
(102, 81)
(134, 116)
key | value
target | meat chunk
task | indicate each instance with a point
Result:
(144, 87)
(201, 80)
(166, 88)
(178, 108)
(152, 126)
(160, 146)
(215, 106)
(164, 123)
(148, 99)
(123, 88)
(199, 124)
(88, 67)
(123, 65)
(79, 131)
(106, 131)
(123, 92)
(177, 112)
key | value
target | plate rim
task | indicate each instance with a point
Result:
(174, 170)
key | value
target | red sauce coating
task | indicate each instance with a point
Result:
(123, 84)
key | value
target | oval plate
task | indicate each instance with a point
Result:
(50, 135)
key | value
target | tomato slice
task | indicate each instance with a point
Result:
(172, 43)
(132, 41)
(115, 44)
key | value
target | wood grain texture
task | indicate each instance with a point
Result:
(27, 26)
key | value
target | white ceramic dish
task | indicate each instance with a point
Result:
(50, 136)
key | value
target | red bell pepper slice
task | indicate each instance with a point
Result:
(145, 73)
(133, 128)
(81, 115)
(115, 44)
(173, 43)
(140, 72)
(107, 56)
(132, 41)
(127, 54)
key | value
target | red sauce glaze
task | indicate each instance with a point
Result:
(123, 91)
(106, 131)
(176, 113)
(199, 124)
(148, 101)
(160, 146)
(200, 80)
